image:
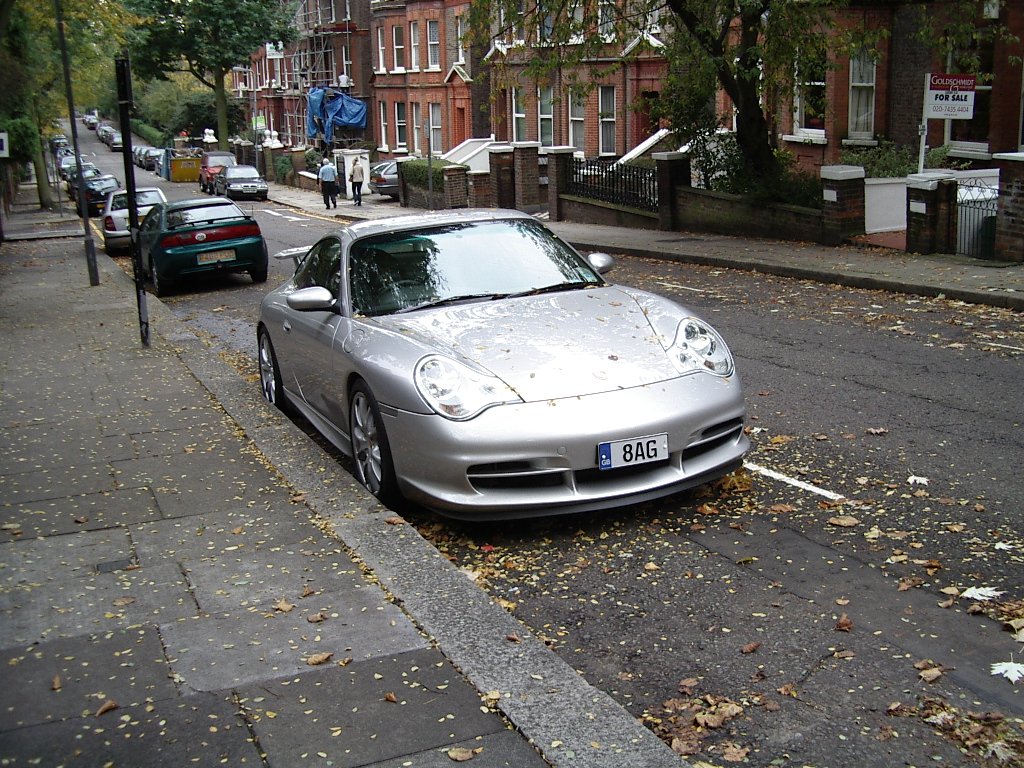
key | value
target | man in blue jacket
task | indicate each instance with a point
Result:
(327, 178)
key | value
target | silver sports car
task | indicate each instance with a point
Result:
(475, 364)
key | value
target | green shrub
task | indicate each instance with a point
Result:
(283, 169)
(313, 159)
(148, 133)
(889, 161)
(22, 137)
(415, 172)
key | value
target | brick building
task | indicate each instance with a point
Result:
(429, 90)
(878, 93)
(331, 52)
(425, 85)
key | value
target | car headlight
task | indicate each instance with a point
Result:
(458, 392)
(698, 347)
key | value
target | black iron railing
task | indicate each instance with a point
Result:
(977, 204)
(630, 185)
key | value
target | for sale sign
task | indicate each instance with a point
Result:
(949, 97)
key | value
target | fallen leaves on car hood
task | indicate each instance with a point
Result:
(555, 345)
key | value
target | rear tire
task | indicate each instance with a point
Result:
(371, 451)
(161, 286)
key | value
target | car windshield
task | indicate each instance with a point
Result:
(143, 197)
(180, 217)
(221, 160)
(242, 172)
(472, 261)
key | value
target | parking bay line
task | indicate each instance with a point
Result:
(792, 481)
(286, 216)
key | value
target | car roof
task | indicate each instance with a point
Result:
(371, 227)
(199, 202)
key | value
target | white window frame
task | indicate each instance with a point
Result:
(401, 139)
(577, 109)
(803, 133)
(433, 44)
(606, 19)
(382, 64)
(546, 115)
(518, 115)
(417, 126)
(434, 125)
(384, 127)
(863, 63)
(398, 47)
(460, 48)
(606, 121)
(545, 30)
(346, 61)
(414, 46)
(971, 149)
(576, 19)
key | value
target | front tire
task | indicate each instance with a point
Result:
(270, 374)
(371, 451)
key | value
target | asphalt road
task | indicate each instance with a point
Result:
(765, 618)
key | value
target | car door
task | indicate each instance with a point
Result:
(149, 230)
(307, 337)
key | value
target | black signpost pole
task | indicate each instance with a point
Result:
(124, 101)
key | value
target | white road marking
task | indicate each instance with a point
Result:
(682, 287)
(285, 215)
(792, 481)
(1001, 346)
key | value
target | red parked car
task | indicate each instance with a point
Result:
(210, 165)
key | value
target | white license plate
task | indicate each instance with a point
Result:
(211, 257)
(635, 450)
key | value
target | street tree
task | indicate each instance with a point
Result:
(206, 38)
(34, 95)
(755, 52)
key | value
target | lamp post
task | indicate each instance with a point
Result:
(90, 244)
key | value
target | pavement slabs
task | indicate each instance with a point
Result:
(101, 603)
(252, 580)
(370, 712)
(88, 512)
(271, 524)
(229, 650)
(202, 729)
(69, 678)
(56, 559)
(59, 442)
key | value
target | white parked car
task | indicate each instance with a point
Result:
(115, 214)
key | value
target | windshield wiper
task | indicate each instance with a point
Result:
(466, 297)
(554, 288)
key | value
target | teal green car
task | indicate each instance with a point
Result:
(194, 237)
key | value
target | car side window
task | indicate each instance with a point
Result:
(322, 267)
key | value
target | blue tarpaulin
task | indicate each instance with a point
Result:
(328, 108)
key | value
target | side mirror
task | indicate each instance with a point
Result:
(602, 262)
(312, 299)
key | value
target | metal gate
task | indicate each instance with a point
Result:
(977, 199)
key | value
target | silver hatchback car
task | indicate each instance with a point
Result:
(475, 364)
(114, 217)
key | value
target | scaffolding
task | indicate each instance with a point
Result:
(322, 56)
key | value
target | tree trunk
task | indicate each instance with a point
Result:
(220, 99)
(39, 163)
(752, 134)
